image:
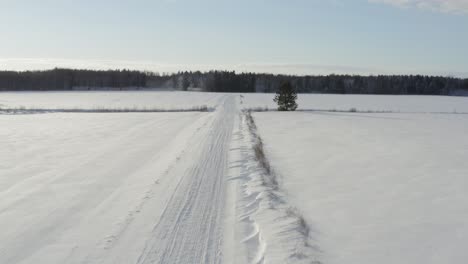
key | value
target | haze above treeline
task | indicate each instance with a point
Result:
(228, 81)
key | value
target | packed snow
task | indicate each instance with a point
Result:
(376, 188)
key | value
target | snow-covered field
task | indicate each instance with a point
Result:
(108, 100)
(114, 188)
(183, 100)
(72, 186)
(375, 188)
(187, 187)
(364, 103)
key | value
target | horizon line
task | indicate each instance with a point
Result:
(295, 69)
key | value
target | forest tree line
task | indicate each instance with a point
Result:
(68, 79)
(228, 81)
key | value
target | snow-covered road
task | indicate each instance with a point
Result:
(190, 229)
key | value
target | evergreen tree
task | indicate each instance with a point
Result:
(286, 97)
(185, 82)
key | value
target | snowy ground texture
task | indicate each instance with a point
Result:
(375, 188)
(191, 187)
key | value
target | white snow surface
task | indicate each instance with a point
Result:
(364, 103)
(145, 99)
(375, 188)
(187, 188)
(114, 188)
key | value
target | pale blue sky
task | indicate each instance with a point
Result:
(288, 36)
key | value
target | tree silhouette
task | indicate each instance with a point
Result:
(286, 97)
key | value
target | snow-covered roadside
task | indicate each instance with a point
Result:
(267, 228)
(378, 188)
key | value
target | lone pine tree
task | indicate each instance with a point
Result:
(286, 97)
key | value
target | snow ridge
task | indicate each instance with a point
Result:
(273, 231)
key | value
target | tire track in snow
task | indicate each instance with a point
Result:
(190, 229)
(114, 238)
